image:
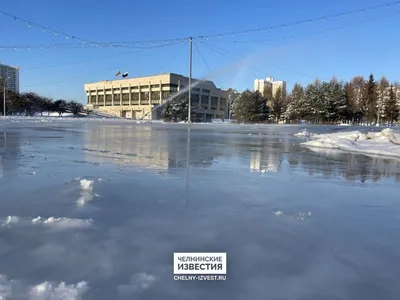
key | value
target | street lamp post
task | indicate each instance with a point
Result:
(4, 95)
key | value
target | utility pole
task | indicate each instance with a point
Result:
(190, 79)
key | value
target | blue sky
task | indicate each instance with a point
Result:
(320, 49)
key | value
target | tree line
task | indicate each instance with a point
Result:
(30, 103)
(357, 101)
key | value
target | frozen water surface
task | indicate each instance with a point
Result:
(94, 209)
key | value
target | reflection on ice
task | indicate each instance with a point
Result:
(52, 222)
(16, 289)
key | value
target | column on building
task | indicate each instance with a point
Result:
(97, 96)
(130, 94)
(104, 95)
(120, 96)
(140, 94)
(161, 97)
(112, 95)
(150, 100)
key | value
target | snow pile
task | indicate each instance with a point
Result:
(385, 143)
(86, 185)
(304, 133)
(15, 289)
(55, 223)
(86, 191)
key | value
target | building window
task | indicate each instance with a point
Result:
(214, 102)
(155, 85)
(101, 99)
(93, 99)
(165, 94)
(155, 95)
(195, 99)
(204, 101)
(144, 95)
(144, 86)
(135, 96)
(196, 89)
(206, 91)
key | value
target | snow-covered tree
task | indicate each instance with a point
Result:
(251, 107)
(176, 109)
(391, 107)
(293, 110)
(278, 105)
(369, 100)
(382, 96)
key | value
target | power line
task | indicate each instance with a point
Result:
(292, 37)
(76, 46)
(256, 69)
(46, 28)
(78, 77)
(202, 57)
(172, 58)
(220, 35)
(306, 21)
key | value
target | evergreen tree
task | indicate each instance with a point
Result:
(311, 104)
(293, 111)
(251, 107)
(336, 106)
(351, 105)
(176, 109)
(391, 108)
(382, 98)
(358, 84)
(369, 100)
(278, 104)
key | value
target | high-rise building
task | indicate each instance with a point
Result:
(10, 76)
(269, 86)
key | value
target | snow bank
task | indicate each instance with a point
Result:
(304, 133)
(386, 142)
(52, 222)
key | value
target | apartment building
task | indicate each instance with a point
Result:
(268, 87)
(10, 76)
(143, 97)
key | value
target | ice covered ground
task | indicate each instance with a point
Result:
(385, 142)
(116, 199)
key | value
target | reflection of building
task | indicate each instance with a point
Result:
(138, 97)
(10, 75)
(266, 160)
(144, 147)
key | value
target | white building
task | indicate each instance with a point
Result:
(268, 86)
(10, 75)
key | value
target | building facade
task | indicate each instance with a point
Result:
(143, 97)
(10, 77)
(269, 86)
